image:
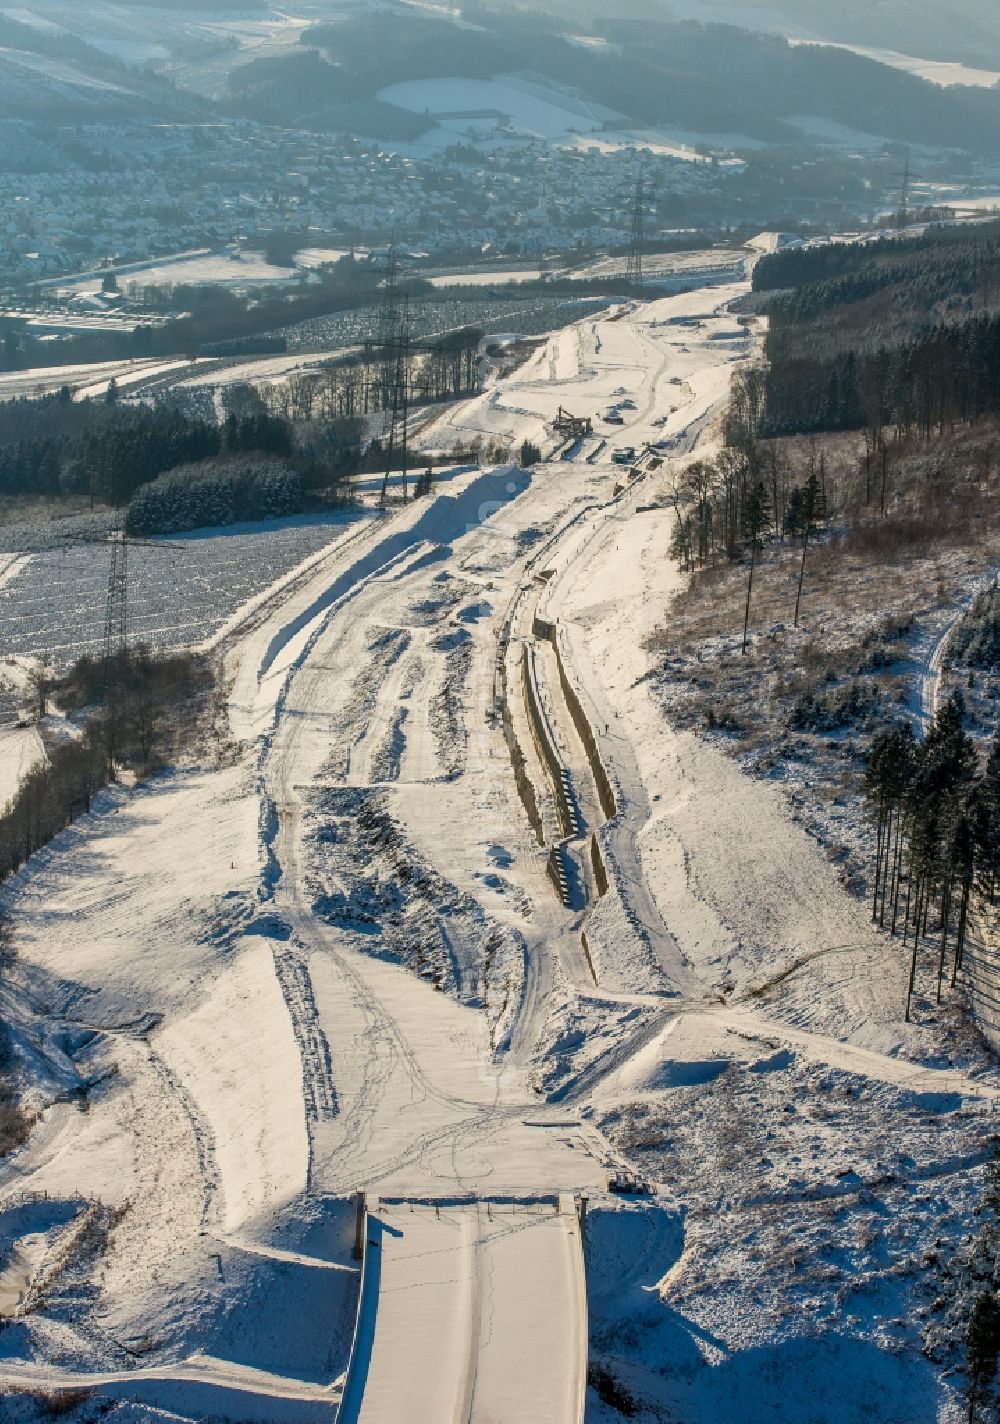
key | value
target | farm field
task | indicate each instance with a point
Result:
(84, 380)
(539, 110)
(232, 267)
(530, 315)
(148, 35)
(182, 589)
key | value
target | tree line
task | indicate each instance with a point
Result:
(214, 493)
(138, 696)
(748, 491)
(274, 443)
(936, 815)
(726, 508)
(902, 334)
(361, 385)
(56, 446)
(51, 796)
(939, 264)
(444, 369)
(949, 375)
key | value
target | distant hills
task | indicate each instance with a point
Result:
(325, 65)
(965, 30)
(54, 76)
(709, 79)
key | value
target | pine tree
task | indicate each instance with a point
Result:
(941, 783)
(987, 825)
(809, 511)
(982, 1345)
(754, 522)
(891, 764)
(961, 852)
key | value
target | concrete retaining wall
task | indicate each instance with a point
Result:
(364, 1325)
(605, 792)
(542, 628)
(523, 782)
(557, 873)
(546, 747)
(525, 786)
(600, 869)
(585, 942)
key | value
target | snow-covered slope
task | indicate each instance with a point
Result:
(457, 919)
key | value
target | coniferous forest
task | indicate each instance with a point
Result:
(937, 818)
(900, 333)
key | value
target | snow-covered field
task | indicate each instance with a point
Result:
(509, 108)
(498, 278)
(88, 380)
(141, 34)
(181, 590)
(967, 203)
(336, 958)
(137, 378)
(527, 107)
(259, 368)
(221, 269)
(689, 147)
(942, 72)
(230, 268)
(59, 71)
(676, 269)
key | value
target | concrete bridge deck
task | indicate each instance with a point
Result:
(471, 1313)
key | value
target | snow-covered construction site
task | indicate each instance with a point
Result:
(457, 1040)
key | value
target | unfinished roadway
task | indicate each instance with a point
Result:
(473, 1298)
(383, 1019)
(492, 1293)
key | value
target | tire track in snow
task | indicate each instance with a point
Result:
(204, 1141)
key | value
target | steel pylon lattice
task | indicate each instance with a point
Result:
(116, 637)
(116, 617)
(635, 272)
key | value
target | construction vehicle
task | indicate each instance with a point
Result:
(573, 426)
(625, 1184)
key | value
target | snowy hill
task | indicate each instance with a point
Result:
(49, 73)
(918, 27)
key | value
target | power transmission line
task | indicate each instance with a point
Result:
(906, 180)
(116, 618)
(399, 397)
(638, 239)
